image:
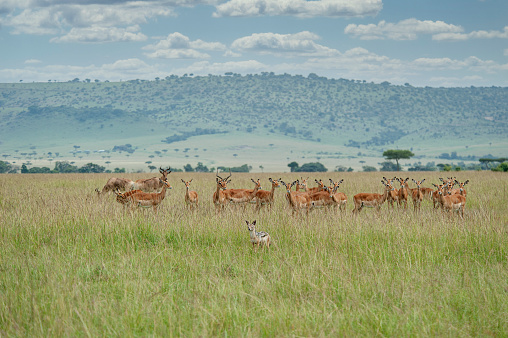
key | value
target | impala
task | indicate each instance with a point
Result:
(417, 195)
(371, 200)
(114, 184)
(265, 197)
(242, 195)
(393, 195)
(138, 198)
(451, 203)
(304, 185)
(460, 190)
(338, 197)
(152, 184)
(403, 191)
(435, 196)
(219, 198)
(191, 197)
(297, 201)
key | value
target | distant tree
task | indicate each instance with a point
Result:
(312, 167)
(242, 169)
(201, 168)
(92, 168)
(388, 166)
(24, 169)
(396, 154)
(5, 167)
(152, 167)
(65, 167)
(293, 165)
(368, 168)
(119, 170)
(188, 168)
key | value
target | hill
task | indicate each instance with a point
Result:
(263, 119)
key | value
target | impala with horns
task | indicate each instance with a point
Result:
(460, 190)
(338, 197)
(393, 195)
(451, 203)
(219, 198)
(152, 184)
(303, 184)
(371, 200)
(138, 198)
(297, 200)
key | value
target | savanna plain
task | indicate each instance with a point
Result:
(73, 264)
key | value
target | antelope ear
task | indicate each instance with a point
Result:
(422, 181)
(254, 222)
(466, 182)
(182, 180)
(247, 222)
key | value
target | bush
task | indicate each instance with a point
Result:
(368, 168)
(501, 167)
(5, 167)
(312, 167)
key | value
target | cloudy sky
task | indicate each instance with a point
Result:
(422, 42)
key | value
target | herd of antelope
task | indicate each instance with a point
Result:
(140, 194)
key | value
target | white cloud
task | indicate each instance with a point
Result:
(408, 29)
(299, 44)
(179, 46)
(97, 34)
(300, 8)
(59, 18)
(473, 35)
(32, 62)
(505, 52)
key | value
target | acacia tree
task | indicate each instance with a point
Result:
(396, 154)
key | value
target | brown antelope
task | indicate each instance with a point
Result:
(297, 200)
(191, 197)
(239, 196)
(435, 196)
(451, 203)
(338, 197)
(114, 183)
(265, 197)
(219, 198)
(460, 190)
(138, 198)
(304, 185)
(371, 200)
(403, 191)
(427, 192)
(258, 238)
(417, 195)
(152, 184)
(393, 195)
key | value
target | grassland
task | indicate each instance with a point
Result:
(75, 265)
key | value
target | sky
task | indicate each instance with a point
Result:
(436, 43)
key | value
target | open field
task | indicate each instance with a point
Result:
(75, 265)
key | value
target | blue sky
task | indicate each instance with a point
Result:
(421, 42)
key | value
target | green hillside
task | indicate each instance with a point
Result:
(263, 119)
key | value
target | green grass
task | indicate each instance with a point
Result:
(74, 265)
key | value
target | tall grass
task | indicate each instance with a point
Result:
(73, 264)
